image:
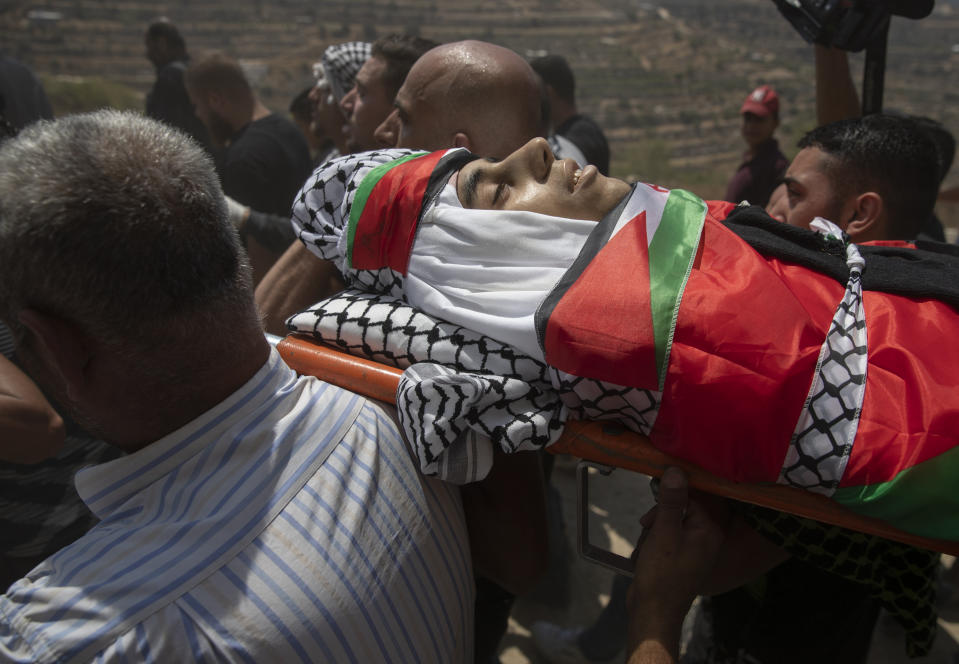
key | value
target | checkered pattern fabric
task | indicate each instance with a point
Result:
(463, 392)
(340, 64)
(322, 209)
(820, 447)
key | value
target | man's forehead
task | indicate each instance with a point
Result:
(371, 72)
(809, 161)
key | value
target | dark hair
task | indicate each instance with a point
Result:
(300, 107)
(887, 154)
(216, 72)
(165, 30)
(943, 139)
(555, 72)
(399, 52)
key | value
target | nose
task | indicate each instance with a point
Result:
(387, 134)
(777, 206)
(535, 156)
(346, 104)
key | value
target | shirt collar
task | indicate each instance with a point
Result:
(107, 486)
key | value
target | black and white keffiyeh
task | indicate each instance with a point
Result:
(340, 64)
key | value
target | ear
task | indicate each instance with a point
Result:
(62, 347)
(866, 218)
(461, 140)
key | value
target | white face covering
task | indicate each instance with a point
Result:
(490, 269)
(482, 269)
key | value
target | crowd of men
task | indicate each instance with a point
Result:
(248, 513)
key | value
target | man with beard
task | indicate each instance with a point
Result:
(265, 157)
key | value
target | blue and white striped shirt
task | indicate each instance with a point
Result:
(287, 524)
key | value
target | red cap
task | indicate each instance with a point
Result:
(762, 101)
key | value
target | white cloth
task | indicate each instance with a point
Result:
(454, 275)
(288, 523)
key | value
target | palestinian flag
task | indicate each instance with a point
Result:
(388, 205)
(612, 316)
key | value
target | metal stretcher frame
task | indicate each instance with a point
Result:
(606, 443)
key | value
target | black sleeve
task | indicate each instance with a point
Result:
(273, 231)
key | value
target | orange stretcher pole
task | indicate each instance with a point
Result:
(606, 443)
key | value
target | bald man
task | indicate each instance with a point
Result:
(469, 94)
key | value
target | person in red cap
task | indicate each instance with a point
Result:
(763, 163)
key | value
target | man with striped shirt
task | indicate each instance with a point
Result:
(258, 516)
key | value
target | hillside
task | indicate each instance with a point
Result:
(664, 79)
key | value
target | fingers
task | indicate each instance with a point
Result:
(673, 496)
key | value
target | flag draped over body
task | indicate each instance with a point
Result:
(761, 352)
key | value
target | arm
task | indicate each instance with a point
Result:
(508, 505)
(836, 96)
(675, 556)
(296, 280)
(30, 428)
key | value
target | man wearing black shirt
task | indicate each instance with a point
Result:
(264, 158)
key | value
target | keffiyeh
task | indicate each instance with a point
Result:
(340, 64)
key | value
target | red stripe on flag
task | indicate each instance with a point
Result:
(911, 408)
(387, 226)
(603, 325)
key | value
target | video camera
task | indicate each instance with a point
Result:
(850, 25)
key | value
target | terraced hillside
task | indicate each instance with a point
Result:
(664, 79)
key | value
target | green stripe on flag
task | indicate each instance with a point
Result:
(362, 195)
(921, 499)
(671, 254)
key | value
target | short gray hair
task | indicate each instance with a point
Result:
(117, 223)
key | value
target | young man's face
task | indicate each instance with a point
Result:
(531, 179)
(366, 106)
(758, 128)
(809, 192)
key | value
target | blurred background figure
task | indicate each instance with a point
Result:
(168, 101)
(264, 157)
(301, 112)
(22, 98)
(335, 75)
(763, 162)
(565, 120)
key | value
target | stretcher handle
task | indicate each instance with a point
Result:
(607, 443)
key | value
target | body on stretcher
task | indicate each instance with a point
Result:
(606, 443)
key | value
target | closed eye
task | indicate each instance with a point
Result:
(499, 195)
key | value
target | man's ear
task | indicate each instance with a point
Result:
(461, 140)
(867, 216)
(62, 347)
